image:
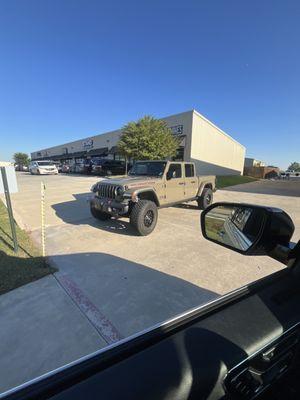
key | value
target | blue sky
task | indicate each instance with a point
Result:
(72, 68)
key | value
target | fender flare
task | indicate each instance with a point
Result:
(148, 190)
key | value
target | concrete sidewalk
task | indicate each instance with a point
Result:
(41, 329)
(94, 300)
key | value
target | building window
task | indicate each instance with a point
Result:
(189, 170)
(119, 157)
(179, 154)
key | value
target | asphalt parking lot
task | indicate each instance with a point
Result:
(122, 283)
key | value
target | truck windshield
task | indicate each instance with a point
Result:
(151, 168)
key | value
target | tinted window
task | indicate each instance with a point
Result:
(151, 168)
(175, 170)
(44, 163)
(189, 170)
(98, 162)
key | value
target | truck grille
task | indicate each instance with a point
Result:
(107, 190)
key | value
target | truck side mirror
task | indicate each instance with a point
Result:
(249, 229)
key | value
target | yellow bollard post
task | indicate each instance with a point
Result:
(43, 217)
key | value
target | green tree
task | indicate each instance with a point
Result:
(21, 159)
(147, 139)
(295, 166)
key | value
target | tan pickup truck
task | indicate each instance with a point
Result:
(150, 185)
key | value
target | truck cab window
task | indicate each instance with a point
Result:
(175, 171)
(189, 170)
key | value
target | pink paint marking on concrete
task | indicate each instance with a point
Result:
(103, 325)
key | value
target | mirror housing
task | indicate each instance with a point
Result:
(249, 229)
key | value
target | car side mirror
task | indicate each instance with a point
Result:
(249, 229)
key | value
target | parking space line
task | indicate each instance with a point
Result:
(101, 323)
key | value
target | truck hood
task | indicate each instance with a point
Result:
(132, 181)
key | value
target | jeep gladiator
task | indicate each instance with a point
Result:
(150, 185)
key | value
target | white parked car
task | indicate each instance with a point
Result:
(42, 167)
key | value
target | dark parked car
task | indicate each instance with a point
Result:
(20, 167)
(108, 167)
(58, 166)
(65, 168)
(88, 167)
(78, 168)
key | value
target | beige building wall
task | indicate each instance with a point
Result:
(181, 124)
(109, 140)
(213, 151)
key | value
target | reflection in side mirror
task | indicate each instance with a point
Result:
(249, 229)
(234, 226)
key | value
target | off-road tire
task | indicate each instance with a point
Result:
(205, 199)
(102, 216)
(143, 217)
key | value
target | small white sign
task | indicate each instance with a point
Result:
(11, 179)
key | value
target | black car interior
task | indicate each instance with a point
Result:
(244, 345)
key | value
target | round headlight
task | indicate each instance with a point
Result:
(119, 191)
(94, 188)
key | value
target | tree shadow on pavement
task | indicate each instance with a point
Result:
(18, 271)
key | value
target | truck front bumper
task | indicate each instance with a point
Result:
(109, 206)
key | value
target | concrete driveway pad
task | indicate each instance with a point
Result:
(176, 247)
(41, 330)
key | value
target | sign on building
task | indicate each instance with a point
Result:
(177, 130)
(88, 144)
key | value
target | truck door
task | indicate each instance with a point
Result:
(190, 180)
(174, 183)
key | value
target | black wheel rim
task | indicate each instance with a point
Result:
(208, 198)
(148, 218)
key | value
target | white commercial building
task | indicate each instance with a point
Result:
(252, 162)
(212, 150)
